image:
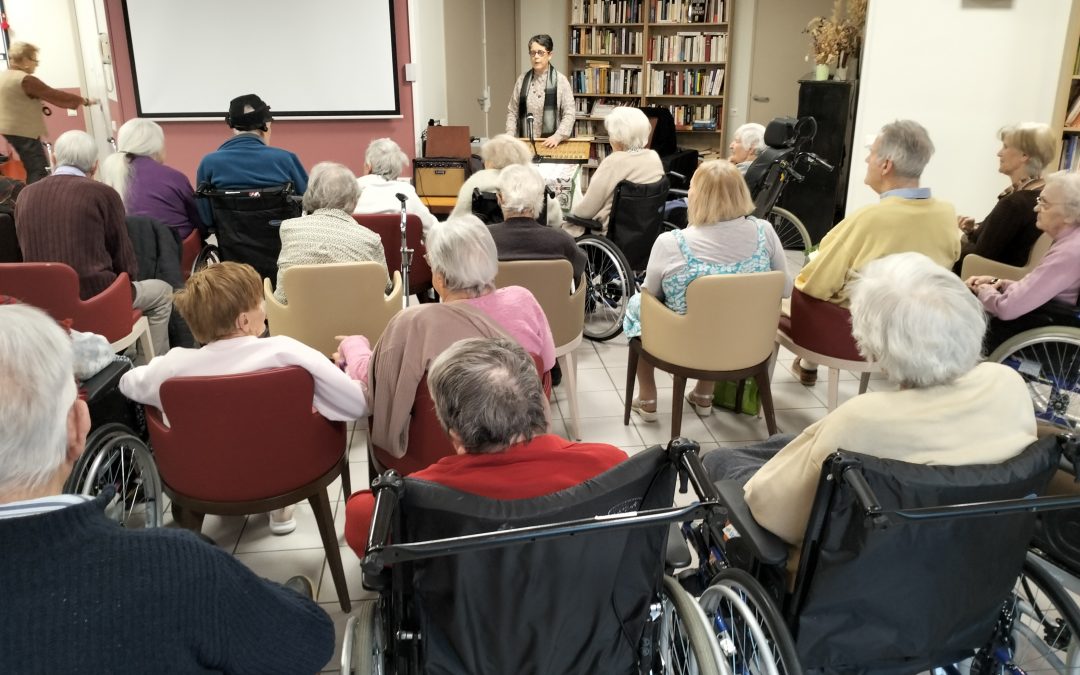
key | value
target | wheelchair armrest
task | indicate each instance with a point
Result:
(678, 553)
(766, 546)
(676, 193)
(587, 223)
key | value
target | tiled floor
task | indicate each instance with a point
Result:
(601, 380)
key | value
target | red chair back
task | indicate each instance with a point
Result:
(821, 326)
(54, 287)
(388, 227)
(189, 251)
(237, 438)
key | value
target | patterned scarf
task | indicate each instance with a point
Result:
(550, 121)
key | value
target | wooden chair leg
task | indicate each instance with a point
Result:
(569, 368)
(678, 390)
(346, 477)
(632, 356)
(765, 394)
(834, 388)
(188, 519)
(864, 382)
(320, 504)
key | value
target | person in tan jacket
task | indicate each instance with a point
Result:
(22, 121)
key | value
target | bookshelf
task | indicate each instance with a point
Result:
(670, 53)
(1067, 103)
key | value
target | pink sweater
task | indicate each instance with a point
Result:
(518, 313)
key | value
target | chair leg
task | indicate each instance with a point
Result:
(765, 394)
(569, 368)
(678, 390)
(632, 356)
(188, 519)
(864, 382)
(145, 346)
(834, 388)
(346, 477)
(320, 504)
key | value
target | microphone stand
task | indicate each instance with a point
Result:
(532, 136)
(406, 255)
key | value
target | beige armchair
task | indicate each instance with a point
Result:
(550, 281)
(727, 333)
(975, 265)
(333, 299)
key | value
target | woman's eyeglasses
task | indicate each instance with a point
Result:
(539, 52)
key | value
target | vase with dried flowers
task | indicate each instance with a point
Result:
(835, 40)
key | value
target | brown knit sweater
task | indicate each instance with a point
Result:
(77, 221)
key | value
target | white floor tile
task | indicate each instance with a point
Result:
(610, 430)
(793, 395)
(279, 566)
(660, 431)
(353, 579)
(258, 538)
(729, 426)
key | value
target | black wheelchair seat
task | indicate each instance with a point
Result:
(247, 222)
(780, 140)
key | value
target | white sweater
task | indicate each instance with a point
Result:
(378, 195)
(337, 397)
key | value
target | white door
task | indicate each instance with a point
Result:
(98, 77)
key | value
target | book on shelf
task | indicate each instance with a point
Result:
(686, 46)
(687, 11)
(704, 125)
(686, 82)
(606, 11)
(1073, 116)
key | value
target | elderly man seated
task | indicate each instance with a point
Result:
(116, 600)
(384, 161)
(72, 219)
(489, 400)
(906, 218)
(918, 321)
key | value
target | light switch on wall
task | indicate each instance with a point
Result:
(72, 113)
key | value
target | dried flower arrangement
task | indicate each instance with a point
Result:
(834, 40)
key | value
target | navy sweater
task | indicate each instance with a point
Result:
(80, 594)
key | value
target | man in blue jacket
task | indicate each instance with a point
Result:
(247, 160)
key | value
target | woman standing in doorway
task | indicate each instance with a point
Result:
(545, 95)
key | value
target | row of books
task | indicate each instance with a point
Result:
(696, 117)
(606, 11)
(710, 47)
(687, 11)
(605, 41)
(1070, 154)
(598, 77)
(599, 107)
(686, 82)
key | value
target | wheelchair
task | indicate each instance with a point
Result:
(903, 569)
(485, 206)
(615, 262)
(247, 223)
(116, 457)
(579, 592)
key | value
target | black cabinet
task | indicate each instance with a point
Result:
(819, 201)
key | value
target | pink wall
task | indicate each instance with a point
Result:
(314, 141)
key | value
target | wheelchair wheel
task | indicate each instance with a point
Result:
(363, 651)
(686, 644)
(610, 285)
(209, 255)
(115, 457)
(793, 236)
(1039, 629)
(1049, 361)
(752, 635)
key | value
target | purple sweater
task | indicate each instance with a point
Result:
(162, 192)
(1056, 277)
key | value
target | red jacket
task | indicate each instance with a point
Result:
(544, 465)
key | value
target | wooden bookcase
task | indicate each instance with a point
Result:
(650, 52)
(1067, 101)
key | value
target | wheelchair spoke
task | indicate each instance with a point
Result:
(1051, 370)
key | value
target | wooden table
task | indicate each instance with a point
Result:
(440, 205)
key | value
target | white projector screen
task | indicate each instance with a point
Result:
(321, 58)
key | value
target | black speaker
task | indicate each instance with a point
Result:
(820, 200)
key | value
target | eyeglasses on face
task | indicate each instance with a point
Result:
(1041, 201)
(539, 52)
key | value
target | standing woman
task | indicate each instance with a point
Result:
(546, 94)
(21, 119)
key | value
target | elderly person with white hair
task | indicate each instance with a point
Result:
(1055, 281)
(628, 132)
(327, 233)
(916, 320)
(138, 173)
(463, 263)
(72, 219)
(384, 161)
(1009, 231)
(498, 153)
(521, 236)
(746, 144)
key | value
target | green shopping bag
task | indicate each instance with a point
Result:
(741, 396)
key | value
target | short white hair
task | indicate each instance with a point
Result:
(76, 148)
(629, 127)
(385, 158)
(752, 137)
(907, 144)
(503, 150)
(1069, 182)
(522, 189)
(331, 186)
(916, 319)
(37, 390)
(463, 252)
(137, 138)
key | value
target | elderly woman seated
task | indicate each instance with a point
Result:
(915, 319)
(1009, 231)
(463, 263)
(138, 173)
(628, 132)
(328, 233)
(384, 161)
(223, 305)
(1049, 292)
(722, 238)
(498, 153)
(747, 143)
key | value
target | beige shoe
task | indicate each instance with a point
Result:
(702, 405)
(642, 409)
(282, 521)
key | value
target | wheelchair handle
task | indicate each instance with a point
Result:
(814, 159)
(865, 494)
(387, 489)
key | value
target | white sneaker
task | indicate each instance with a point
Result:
(282, 521)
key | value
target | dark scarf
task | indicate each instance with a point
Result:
(550, 121)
